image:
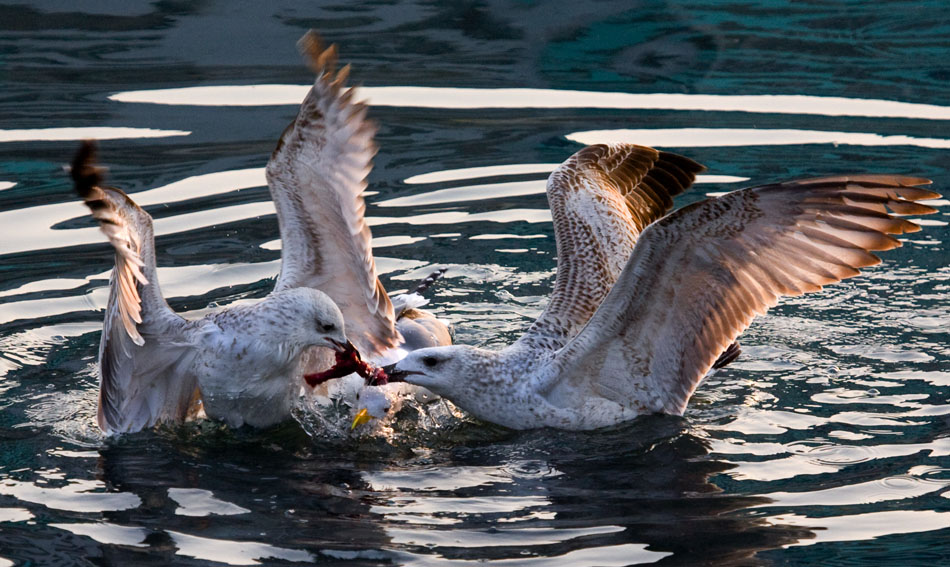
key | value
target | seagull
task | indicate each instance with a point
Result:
(154, 365)
(692, 282)
(243, 365)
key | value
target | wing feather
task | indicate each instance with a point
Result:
(601, 199)
(698, 277)
(316, 176)
(144, 364)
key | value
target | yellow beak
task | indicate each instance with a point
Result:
(362, 417)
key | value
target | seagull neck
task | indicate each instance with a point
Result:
(525, 353)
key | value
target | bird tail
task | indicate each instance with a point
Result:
(425, 284)
(413, 300)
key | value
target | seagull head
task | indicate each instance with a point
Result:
(374, 404)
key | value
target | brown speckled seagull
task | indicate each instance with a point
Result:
(610, 348)
(245, 363)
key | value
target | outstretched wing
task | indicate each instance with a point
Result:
(698, 277)
(601, 199)
(316, 176)
(144, 375)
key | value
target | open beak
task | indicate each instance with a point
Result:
(347, 361)
(362, 417)
(395, 375)
(342, 347)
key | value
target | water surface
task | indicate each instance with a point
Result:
(827, 442)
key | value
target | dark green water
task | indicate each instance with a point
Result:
(827, 443)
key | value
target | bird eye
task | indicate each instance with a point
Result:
(386, 409)
(430, 361)
(328, 327)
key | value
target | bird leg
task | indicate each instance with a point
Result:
(347, 362)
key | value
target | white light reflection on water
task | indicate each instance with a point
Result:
(104, 532)
(469, 193)
(39, 218)
(883, 490)
(179, 281)
(435, 509)
(860, 527)
(735, 137)
(505, 236)
(234, 552)
(77, 496)
(815, 459)
(502, 190)
(435, 478)
(57, 284)
(470, 98)
(82, 133)
(501, 537)
(459, 217)
(37, 222)
(934, 377)
(476, 172)
(524, 168)
(378, 242)
(198, 502)
(15, 515)
(603, 556)
(204, 185)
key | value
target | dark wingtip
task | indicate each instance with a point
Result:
(728, 356)
(85, 173)
(426, 283)
(688, 165)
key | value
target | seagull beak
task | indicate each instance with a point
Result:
(356, 353)
(340, 346)
(395, 375)
(362, 417)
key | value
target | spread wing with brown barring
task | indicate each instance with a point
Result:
(698, 277)
(601, 199)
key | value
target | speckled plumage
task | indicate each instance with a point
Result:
(693, 282)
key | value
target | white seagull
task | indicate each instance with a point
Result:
(693, 282)
(245, 363)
